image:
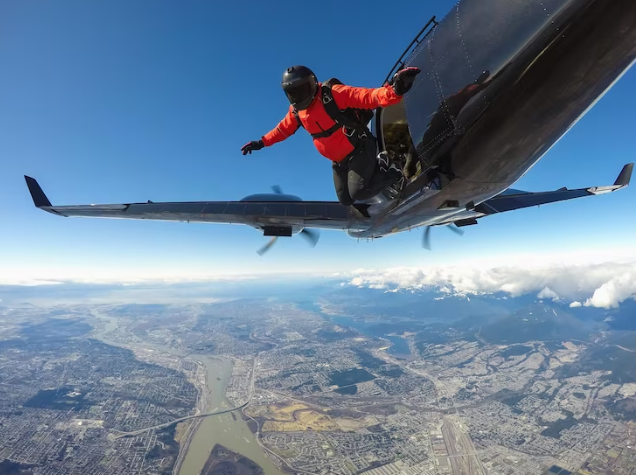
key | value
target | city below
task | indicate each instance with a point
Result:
(273, 386)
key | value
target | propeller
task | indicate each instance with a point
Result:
(426, 237)
(267, 246)
(311, 235)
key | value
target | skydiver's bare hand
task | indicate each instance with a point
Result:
(403, 80)
(253, 145)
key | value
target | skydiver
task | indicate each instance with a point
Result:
(358, 174)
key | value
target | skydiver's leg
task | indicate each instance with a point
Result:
(362, 170)
(365, 178)
(340, 172)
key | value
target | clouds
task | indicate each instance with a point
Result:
(28, 282)
(578, 278)
(548, 293)
(38, 277)
(611, 293)
(603, 285)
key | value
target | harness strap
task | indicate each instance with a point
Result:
(344, 163)
(326, 133)
(349, 127)
(295, 113)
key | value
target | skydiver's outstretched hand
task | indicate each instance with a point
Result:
(253, 145)
(403, 80)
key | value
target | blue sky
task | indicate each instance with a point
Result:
(124, 101)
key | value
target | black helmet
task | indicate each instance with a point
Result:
(300, 86)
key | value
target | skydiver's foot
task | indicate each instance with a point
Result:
(395, 171)
(384, 161)
(397, 178)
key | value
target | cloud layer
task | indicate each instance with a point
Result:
(603, 285)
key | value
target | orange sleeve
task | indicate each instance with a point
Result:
(285, 129)
(364, 98)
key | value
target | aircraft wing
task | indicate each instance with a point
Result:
(276, 215)
(512, 199)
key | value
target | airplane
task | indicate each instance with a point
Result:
(501, 83)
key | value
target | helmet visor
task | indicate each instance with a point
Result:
(301, 93)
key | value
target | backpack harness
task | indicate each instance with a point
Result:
(351, 121)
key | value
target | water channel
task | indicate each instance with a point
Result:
(399, 346)
(229, 429)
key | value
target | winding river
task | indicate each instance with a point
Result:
(229, 429)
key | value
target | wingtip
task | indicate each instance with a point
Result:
(39, 198)
(625, 175)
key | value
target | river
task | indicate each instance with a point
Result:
(399, 346)
(232, 432)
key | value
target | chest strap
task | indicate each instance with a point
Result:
(349, 127)
(326, 133)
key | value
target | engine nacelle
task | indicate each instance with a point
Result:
(271, 197)
(278, 231)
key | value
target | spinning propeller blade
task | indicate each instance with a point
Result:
(426, 237)
(311, 235)
(453, 227)
(267, 246)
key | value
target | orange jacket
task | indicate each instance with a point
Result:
(315, 118)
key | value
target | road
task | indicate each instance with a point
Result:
(176, 421)
(120, 434)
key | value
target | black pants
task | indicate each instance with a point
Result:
(359, 177)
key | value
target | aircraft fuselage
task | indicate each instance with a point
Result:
(502, 81)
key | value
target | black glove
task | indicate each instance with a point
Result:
(253, 145)
(403, 80)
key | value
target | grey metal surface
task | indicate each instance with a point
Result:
(547, 62)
